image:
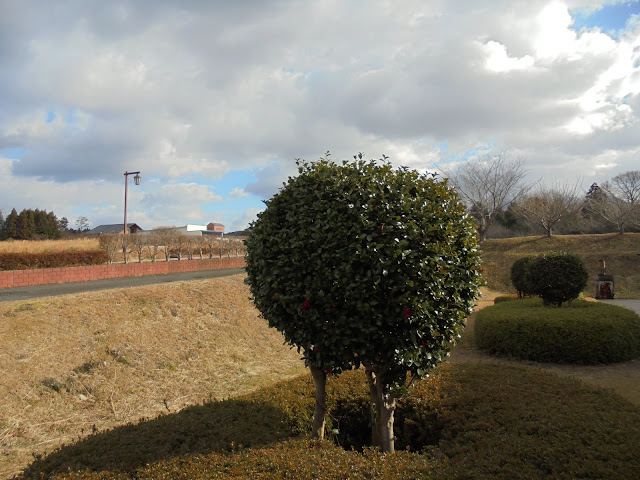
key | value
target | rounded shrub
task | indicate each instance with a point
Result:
(520, 277)
(582, 333)
(556, 277)
(362, 264)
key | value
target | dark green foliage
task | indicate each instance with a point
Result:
(520, 277)
(557, 277)
(31, 225)
(25, 261)
(583, 333)
(26, 225)
(495, 421)
(46, 225)
(503, 298)
(10, 227)
(349, 422)
(364, 264)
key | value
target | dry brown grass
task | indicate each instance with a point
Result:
(80, 363)
(621, 253)
(40, 246)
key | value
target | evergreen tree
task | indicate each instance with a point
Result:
(10, 229)
(46, 225)
(30, 225)
(26, 227)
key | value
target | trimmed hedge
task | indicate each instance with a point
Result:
(520, 276)
(583, 333)
(499, 422)
(25, 261)
(417, 417)
(556, 277)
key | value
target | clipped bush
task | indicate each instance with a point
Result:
(583, 333)
(417, 418)
(557, 277)
(520, 277)
(504, 298)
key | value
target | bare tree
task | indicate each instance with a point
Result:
(191, 243)
(154, 243)
(488, 186)
(201, 244)
(82, 223)
(138, 244)
(548, 207)
(212, 241)
(110, 243)
(620, 205)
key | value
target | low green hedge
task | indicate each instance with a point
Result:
(496, 421)
(583, 332)
(417, 418)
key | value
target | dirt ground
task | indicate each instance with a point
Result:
(624, 378)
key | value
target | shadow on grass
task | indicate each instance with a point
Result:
(213, 427)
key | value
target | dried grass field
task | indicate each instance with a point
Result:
(42, 246)
(82, 363)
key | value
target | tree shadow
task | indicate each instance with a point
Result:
(219, 426)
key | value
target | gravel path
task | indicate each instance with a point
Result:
(624, 377)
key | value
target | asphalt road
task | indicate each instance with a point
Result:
(54, 290)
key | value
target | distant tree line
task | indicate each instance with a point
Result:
(31, 224)
(504, 204)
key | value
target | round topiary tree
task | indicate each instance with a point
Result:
(361, 264)
(520, 276)
(557, 277)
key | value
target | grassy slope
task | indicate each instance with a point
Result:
(81, 363)
(621, 253)
(112, 358)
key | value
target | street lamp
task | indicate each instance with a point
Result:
(136, 179)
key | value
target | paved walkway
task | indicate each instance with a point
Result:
(624, 302)
(52, 290)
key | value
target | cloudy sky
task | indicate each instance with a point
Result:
(213, 100)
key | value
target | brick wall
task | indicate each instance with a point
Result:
(43, 276)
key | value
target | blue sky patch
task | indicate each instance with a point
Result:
(13, 153)
(611, 19)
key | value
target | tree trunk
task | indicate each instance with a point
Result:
(320, 410)
(483, 226)
(383, 407)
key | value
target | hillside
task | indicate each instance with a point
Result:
(620, 252)
(83, 363)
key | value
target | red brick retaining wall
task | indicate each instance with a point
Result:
(43, 276)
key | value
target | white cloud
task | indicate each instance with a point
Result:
(238, 193)
(499, 61)
(189, 92)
